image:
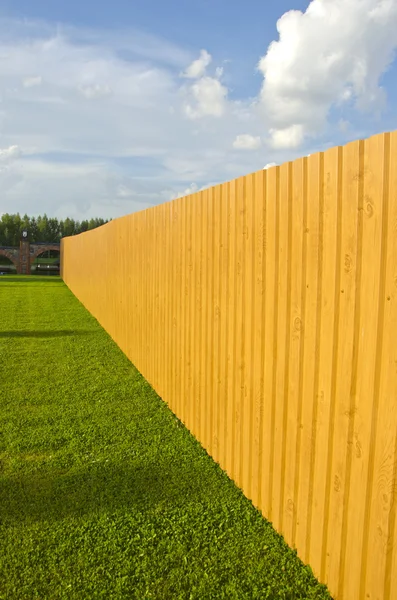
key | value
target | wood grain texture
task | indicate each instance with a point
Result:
(264, 312)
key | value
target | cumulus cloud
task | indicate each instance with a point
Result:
(198, 67)
(334, 53)
(207, 97)
(289, 137)
(269, 165)
(32, 81)
(247, 142)
(161, 131)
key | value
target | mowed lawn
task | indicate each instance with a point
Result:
(103, 492)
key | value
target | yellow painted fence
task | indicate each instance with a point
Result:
(264, 312)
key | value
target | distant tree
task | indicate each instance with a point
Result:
(41, 228)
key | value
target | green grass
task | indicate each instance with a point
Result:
(103, 492)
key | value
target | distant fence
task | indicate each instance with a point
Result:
(264, 312)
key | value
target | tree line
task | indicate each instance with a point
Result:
(42, 228)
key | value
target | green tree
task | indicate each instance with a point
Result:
(41, 228)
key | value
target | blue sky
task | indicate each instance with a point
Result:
(108, 108)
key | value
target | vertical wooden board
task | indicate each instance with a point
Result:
(110, 277)
(210, 323)
(108, 315)
(281, 360)
(171, 400)
(223, 385)
(181, 301)
(390, 582)
(177, 307)
(377, 538)
(130, 292)
(137, 291)
(206, 434)
(232, 324)
(332, 434)
(183, 317)
(145, 299)
(247, 375)
(188, 308)
(124, 287)
(302, 535)
(132, 296)
(169, 300)
(155, 258)
(269, 339)
(388, 389)
(198, 315)
(114, 275)
(149, 241)
(287, 368)
(238, 340)
(192, 310)
(165, 308)
(259, 331)
(216, 330)
(144, 294)
(124, 280)
(117, 279)
(122, 254)
(153, 254)
(363, 390)
(325, 352)
(161, 315)
(122, 316)
(336, 474)
(292, 420)
(170, 303)
(105, 321)
(195, 231)
(204, 316)
(182, 308)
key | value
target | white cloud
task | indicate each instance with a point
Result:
(247, 142)
(7, 154)
(197, 68)
(192, 189)
(158, 132)
(290, 137)
(207, 97)
(32, 81)
(333, 53)
(269, 165)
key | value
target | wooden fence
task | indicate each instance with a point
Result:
(264, 312)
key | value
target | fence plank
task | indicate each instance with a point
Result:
(264, 312)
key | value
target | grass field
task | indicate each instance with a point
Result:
(104, 494)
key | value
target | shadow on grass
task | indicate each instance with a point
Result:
(98, 488)
(46, 334)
